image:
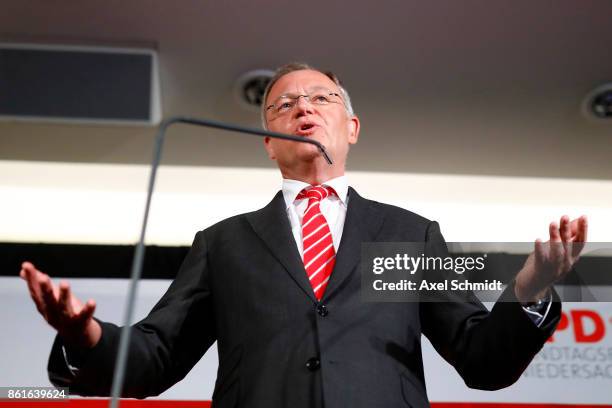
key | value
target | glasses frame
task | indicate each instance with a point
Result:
(295, 99)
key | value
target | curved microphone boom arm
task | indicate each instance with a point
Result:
(137, 262)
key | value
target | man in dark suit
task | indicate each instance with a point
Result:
(279, 290)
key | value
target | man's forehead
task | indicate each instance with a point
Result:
(298, 81)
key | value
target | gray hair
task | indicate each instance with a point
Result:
(300, 66)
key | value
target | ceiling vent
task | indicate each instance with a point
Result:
(249, 88)
(598, 103)
(74, 84)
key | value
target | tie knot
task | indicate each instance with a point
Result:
(317, 193)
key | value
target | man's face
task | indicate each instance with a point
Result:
(329, 124)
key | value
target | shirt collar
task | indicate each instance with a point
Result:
(291, 188)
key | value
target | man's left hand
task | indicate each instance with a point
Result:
(552, 260)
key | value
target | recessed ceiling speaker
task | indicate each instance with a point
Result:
(249, 88)
(598, 103)
(77, 84)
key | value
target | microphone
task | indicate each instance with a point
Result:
(137, 262)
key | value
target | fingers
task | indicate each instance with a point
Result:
(579, 228)
(65, 299)
(578, 234)
(48, 292)
(22, 271)
(539, 251)
(553, 232)
(556, 250)
(554, 259)
(583, 229)
(580, 238)
(574, 226)
(31, 276)
(566, 237)
(27, 265)
(572, 235)
(565, 229)
(86, 312)
(52, 302)
(56, 303)
(28, 272)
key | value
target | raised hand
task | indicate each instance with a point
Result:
(72, 319)
(551, 261)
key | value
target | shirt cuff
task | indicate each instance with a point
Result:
(538, 312)
(73, 370)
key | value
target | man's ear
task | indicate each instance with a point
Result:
(269, 148)
(353, 128)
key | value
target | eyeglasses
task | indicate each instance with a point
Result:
(285, 103)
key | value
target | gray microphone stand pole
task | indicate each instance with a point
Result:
(137, 262)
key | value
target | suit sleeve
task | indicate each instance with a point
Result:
(164, 346)
(490, 350)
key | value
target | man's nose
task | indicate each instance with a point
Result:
(303, 106)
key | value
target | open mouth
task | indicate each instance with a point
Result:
(305, 129)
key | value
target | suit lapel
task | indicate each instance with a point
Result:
(362, 224)
(271, 224)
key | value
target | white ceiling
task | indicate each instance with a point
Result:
(464, 87)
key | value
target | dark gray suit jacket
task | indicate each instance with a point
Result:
(243, 284)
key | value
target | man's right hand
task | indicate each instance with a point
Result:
(72, 319)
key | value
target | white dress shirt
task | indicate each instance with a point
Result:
(333, 208)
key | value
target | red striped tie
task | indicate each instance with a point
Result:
(319, 252)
